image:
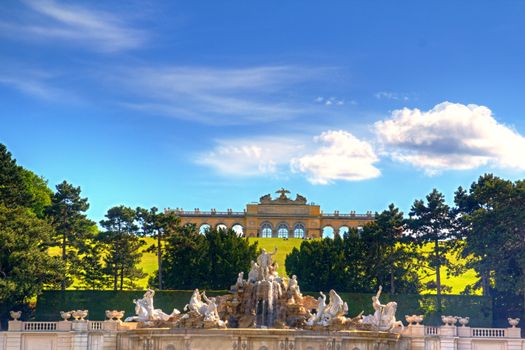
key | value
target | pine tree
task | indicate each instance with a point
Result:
(122, 246)
(72, 227)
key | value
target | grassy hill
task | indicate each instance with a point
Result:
(284, 247)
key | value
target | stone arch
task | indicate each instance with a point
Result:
(299, 230)
(266, 230)
(328, 232)
(343, 230)
(170, 347)
(239, 229)
(282, 230)
(204, 227)
(221, 226)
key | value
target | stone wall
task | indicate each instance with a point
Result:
(115, 335)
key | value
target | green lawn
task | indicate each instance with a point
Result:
(284, 247)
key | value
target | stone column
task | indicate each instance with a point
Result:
(416, 335)
(80, 335)
(448, 338)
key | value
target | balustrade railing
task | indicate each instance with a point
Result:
(40, 326)
(429, 330)
(95, 325)
(488, 332)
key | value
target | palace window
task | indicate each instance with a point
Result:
(298, 231)
(266, 230)
(282, 231)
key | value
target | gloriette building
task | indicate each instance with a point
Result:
(281, 217)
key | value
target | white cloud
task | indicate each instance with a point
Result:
(334, 155)
(97, 29)
(216, 95)
(390, 95)
(254, 157)
(33, 82)
(341, 156)
(450, 136)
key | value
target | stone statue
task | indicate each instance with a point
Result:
(145, 311)
(211, 313)
(384, 317)
(293, 288)
(300, 199)
(283, 193)
(240, 281)
(264, 260)
(196, 304)
(254, 272)
(337, 307)
(321, 305)
(265, 199)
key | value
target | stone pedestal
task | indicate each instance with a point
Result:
(15, 326)
(448, 331)
(464, 332)
(64, 325)
(513, 332)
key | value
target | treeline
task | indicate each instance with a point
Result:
(485, 227)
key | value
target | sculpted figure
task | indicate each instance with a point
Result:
(293, 287)
(321, 306)
(254, 272)
(337, 307)
(264, 260)
(196, 304)
(211, 313)
(145, 311)
(240, 280)
(384, 317)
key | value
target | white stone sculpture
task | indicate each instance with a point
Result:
(463, 321)
(145, 311)
(114, 315)
(384, 317)
(79, 315)
(264, 260)
(254, 272)
(293, 286)
(337, 307)
(66, 315)
(321, 305)
(513, 321)
(15, 315)
(240, 281)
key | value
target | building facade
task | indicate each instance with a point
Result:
(281, 217)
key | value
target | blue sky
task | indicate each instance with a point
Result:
(212, 104)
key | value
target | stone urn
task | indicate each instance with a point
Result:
(513, 321)
(449, 320)
(410, 319)
(418, 319)
(119, 315)
(110, 314)
(66, 315)
(15, 315)
(79, 315)
(463, 321)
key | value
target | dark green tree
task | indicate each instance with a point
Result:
(92, 272)
(477, 211)
(431, 222)
(159, 226)
(389, 260)
(122, 245)
(211, 260)
(14, 191)
(41, 194)
(72, 227)
(25, 265)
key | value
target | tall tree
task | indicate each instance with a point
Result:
(477, 210)
(159, 226)
(14, 191)
(122, 245)
(212, 260)
(388, 258)
(72, 227)
(25, 265)
(431, 221)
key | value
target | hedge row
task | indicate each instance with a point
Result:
(50, 303)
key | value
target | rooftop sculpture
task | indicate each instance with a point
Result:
(266, 300)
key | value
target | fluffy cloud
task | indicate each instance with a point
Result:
(450, 136)
(262, 156)
(334, 155)
(341, 156)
